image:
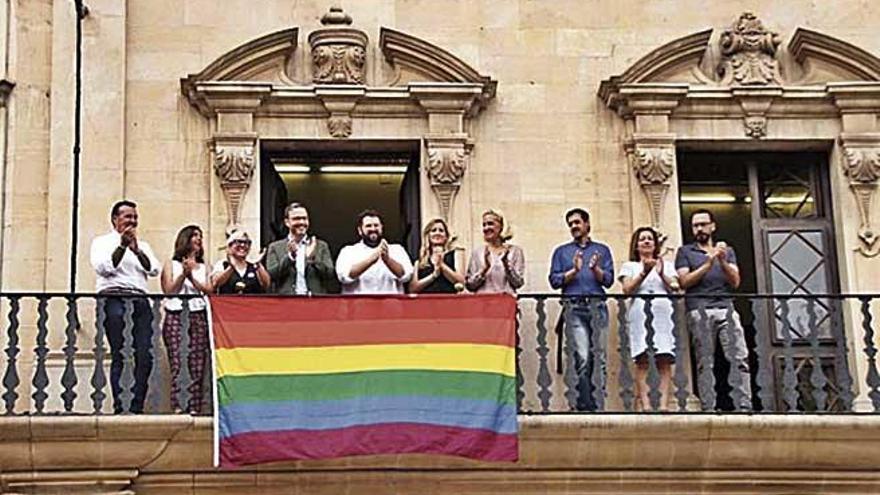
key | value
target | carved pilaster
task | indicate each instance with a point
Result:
(748, 52)
(447, 164)
(339, 54)
(653, 166)
(234, 164)
(861, 165)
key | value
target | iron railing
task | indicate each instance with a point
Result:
(813, 353)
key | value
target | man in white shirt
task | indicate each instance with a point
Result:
(122, 263)
(373, 266)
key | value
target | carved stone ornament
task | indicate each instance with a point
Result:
(653, 167)
(234, 165)
(339, 125)
(446, 167)
(748, 52)
(862, 167)
(338, 54)
(755, 126)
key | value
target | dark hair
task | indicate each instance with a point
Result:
(291, 207)
(181, 244)
(577, 211)
(634, 243)
(369, 212)
(703, 211)
(114, 212)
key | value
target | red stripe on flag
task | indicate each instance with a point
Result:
(391, 438)
(369, 332)
(323, 309)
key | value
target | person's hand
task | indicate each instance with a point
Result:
(594, 261)
(437, 260)
(291, 248)
(259, 259)
(383, 250)
(129, 239)
(660, 266)
(578, 260)
(649, 265)
(721, 251)
(189, 264)
(310, 248)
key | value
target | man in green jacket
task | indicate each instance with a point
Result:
(300, 264)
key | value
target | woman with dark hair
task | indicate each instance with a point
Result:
(496, 266)
(647, 273)
(187, 273)
(438, 271)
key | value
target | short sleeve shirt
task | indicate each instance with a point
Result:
(691, 256)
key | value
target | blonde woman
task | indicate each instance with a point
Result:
(497, 265)
(438, 270)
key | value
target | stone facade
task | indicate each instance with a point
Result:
(530, 107)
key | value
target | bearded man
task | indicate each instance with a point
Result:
(373, 266)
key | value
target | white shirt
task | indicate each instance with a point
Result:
(301, 288)
(377, 279)
(129, 274)
(195, 304)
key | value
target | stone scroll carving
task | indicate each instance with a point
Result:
(339, 54)
(862, 167)
(653, 167)
(748, 52)
(447, 163)
(234, 164)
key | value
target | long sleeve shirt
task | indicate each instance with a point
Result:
(129, 273)
(378, 278)
(585, 282)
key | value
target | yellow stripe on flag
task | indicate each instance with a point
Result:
(245, 361)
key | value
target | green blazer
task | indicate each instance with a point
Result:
(320, 270)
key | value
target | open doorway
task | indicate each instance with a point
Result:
(336, 180)
(774, 209)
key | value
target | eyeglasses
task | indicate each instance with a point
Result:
(697, 225)
(241, 243)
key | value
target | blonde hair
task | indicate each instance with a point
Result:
(425, 251)
(506, 231)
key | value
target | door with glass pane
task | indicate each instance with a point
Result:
(795, 257)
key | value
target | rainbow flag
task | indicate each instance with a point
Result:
(325, 377)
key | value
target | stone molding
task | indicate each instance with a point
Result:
(448, 159)
(748, 52)
(652, 158)
(806, 44)
(861, 166)
(234, 159)
(339, 54)
(736, 453)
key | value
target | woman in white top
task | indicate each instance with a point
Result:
(647, 273)
(187, 273)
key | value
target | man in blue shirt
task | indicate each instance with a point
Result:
(584, 268)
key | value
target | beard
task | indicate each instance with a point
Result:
(372, 240)
(702, 237)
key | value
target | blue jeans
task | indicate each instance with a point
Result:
(585, 327)
(141, 335)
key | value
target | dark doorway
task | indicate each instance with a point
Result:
(774, 210)
(336, 180)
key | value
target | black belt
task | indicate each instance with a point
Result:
(121, 291)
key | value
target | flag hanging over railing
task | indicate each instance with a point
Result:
(325, 377)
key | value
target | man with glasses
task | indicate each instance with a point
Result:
(707, 268)
(301, 263)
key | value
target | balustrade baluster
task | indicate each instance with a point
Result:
(156, 383)
(817, 378)
(789, 377)
(679, 332)
(569, 376)
(872, 379)
(653, 378)
(764, 350)
(99, 378)
(597, 348)
(41, 377)
(544, 378)
(127, 378)
(68, 377)
(624, 350)
(10, 378)
(844, 379)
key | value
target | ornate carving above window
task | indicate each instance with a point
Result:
(408, 78)
(698, 86)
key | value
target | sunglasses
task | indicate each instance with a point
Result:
(241, 243)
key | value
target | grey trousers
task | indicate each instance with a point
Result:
(718, 323)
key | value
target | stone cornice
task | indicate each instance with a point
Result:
(806, 43)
